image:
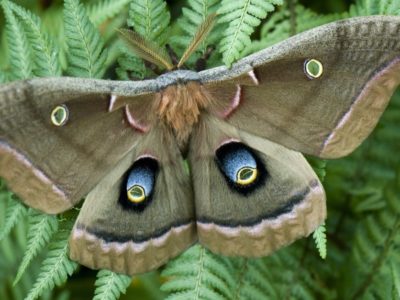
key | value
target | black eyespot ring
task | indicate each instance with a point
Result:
(242, 168)
(138, 186)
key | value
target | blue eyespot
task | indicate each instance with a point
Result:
(241, 167)
(138, 187)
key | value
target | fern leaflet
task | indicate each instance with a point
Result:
(110, 285)
(199, 274)
(396, 280)
(382, 7)
(105, 9)
(2, 77)
(20, 59)
(57, 266)
(129, 66)
(44, 51)
(319, 236)
(150, 18)
(243, 16)
(41, 229)
(14, 213)
(86, 55)
(278, 28)
(192, 18)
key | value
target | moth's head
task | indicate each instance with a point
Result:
(153, 53)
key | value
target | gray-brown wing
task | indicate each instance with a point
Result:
(52, 167)
(252, 196)
(141, 214)
(320, 92)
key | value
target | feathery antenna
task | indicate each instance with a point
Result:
(146, 49)
(200, 35)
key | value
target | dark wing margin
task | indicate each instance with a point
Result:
(270, 93)
(52, 167)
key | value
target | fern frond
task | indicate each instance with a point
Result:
(319, 166)
(86, 54)
(130, 66)
(396, 280)
(20, 55)
(319, 236)
(110, 285)
(282, 275)
(14, 213)
(376, 238)
(44, 50)
(198, 274)
(243, 17)
(3, 78)
(41, 228)
(56, 267)
(277, 27)
(381, 7)
(146, 49)
(192, 17)
(201, 33)
(105, 9)
(150, 18)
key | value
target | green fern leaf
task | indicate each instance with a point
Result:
(44, 51)
(150, 18)
(110, 285)
(319, 166)
(20, 55)
(198, 274)
(3, 78)
(86, 54)
(105, 9)
(57, 266)
(381, 7)
(192, 17)
(243, 16)
(129, 66)
(278, 26)
(41, 228)
(374, 239)
(14, 213)
(396, 280)
(319, 236)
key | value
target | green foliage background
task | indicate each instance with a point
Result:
(78, 38)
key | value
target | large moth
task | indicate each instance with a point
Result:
(249, 190)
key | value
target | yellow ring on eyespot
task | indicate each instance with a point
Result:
(313, 68)
(136, 194)
(246, 175)
(59, 115)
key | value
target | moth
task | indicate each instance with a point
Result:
(248, 192)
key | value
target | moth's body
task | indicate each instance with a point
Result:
(179, 102)
(249, 190)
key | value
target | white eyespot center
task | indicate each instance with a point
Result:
(313, 68)
(59, 115)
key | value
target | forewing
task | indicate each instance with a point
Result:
(136, 235)
(272, 95)
(52, 167)
(241, 214)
